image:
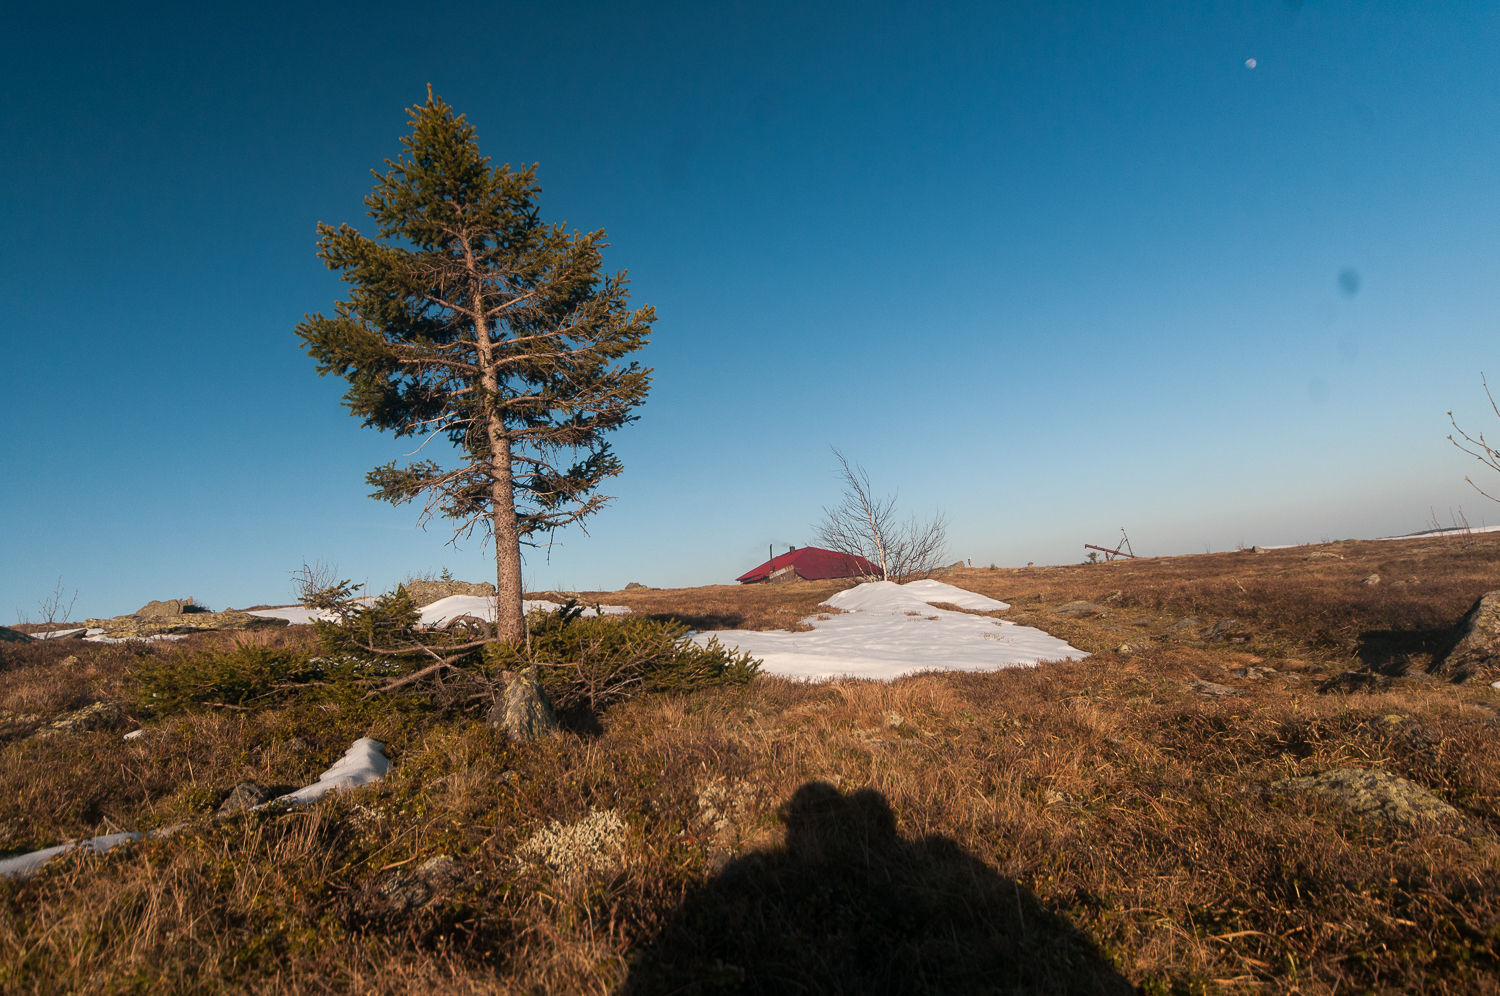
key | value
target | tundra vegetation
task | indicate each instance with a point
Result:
(1103, 825)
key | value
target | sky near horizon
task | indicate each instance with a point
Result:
(1056, 270)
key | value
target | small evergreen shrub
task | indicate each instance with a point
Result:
(596, 661)
(249, 677)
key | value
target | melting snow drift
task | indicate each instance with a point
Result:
(442, 611)
(888, 630)
(363, 763)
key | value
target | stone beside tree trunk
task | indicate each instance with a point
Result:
(522, 711)
(1473, 650)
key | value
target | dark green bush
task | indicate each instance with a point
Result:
(251, 677)
(595, 661)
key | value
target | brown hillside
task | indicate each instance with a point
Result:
(1154, 819)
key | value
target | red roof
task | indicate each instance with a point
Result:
(813, 564)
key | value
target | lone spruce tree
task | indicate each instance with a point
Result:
(471, 318)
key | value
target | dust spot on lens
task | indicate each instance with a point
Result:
(1349, 281)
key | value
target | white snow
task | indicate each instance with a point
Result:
(362, 763)
(912, 595)
(26, 865)
(59, 634)
(889, 630)
(439, 612)
(1445, 531)
(301, 614)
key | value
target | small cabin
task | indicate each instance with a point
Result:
(810, 563)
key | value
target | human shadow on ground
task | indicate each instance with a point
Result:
(847, 906)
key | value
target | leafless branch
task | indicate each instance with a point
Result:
(868, 526)
(1477, 447)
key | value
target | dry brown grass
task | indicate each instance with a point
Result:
(1093, 826)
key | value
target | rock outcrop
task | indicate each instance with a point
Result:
(1376, 795)
(171, 607)
(161, 621)
(1473, 649)
(424, 593)
(8, 635)
(98, 716)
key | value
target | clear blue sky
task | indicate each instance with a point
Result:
(1054, 269)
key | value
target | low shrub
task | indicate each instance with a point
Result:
(593, 662)
(250, 677)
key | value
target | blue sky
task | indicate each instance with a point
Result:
(1055, 270)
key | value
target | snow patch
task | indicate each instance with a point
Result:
(888, 630)
(362, 763)
(444, 610)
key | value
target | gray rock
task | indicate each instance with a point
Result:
(1473, 648)
(523, 712)
(1213, 691)
(245, 795)
(1186, 622)
(1221, 629)
(636, 586)
(97, 716)
(1376, 795)
(1253, 673)
(1080, 609)
(170, 607)
(424, 593)
(1259, 549)
(1371, 580)
(408, 890)
(8, 635)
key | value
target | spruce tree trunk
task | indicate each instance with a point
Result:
(510, 621)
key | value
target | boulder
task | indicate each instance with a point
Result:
(636, 586)
(1213, 691)
(424, 593)
(142, 627)
(98, 716)
(523, 712)
(8, 635)
(1375, 795)
(1370, 580)
(407, 890)
(171, 607)
(1220, 629)
(1473, 648)
(246, 795)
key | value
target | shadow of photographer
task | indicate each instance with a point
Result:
(847, 906)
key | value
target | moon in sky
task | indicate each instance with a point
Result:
(1249, 63)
